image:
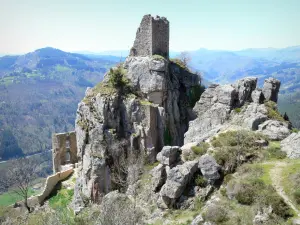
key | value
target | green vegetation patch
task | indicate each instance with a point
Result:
(62, 199)
(158, 57)
(180, 63)
(10, 197)
(273, 112)
(200, 149)
(237, 110)
(234, 148)
(252, 187)
(291, 180)
(274, 151)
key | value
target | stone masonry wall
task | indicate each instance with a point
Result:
(152, 37)
(160, 36)
(142, 43)
(61, 150)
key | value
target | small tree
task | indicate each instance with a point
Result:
(19, 175)
(185, 58)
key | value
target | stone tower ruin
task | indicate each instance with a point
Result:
(152, 37)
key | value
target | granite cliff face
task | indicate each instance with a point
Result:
(111, 124)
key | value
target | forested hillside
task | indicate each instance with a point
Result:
(39, 93)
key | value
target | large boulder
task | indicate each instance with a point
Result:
(275, 130)
(210, 169)
(177, 180)
(213, 110)
(169, 155)
(159, 177)
(291, 145)
(251, 116)
(270, 89)
(148, 75)
(244, 89)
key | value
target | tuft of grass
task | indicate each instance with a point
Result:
(274, 151)
(237, 110)
(295, 130)
(200, 181)
(200, 149)
(62, 199)
(158, 57)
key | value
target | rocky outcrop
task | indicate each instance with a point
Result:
(177, 179)
(270, 89)
(169, 155)
(244, 88)
(291, 145)
(112, 122)
(210, 169)
(275, 130)
(215, 108)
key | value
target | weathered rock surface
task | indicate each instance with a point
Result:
(159, 177)
(209, 168)
(213, 110)
(198, 220)
(275, 130)
(169, 155)
(270, 89)
(177, 179)
(245, 88)
(291, 145)
(257, 96)
(251, 116)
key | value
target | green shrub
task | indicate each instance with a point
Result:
(276, 153)
(200, 181)
(269, 197)
(179, 62)
(246, 194)
(272, 111)
(201, 148)
(237, 110)
(295, 130)
(216, 214)
(296, 195)
(236, 147)
(117, 77)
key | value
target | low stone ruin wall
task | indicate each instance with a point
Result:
(51, 182)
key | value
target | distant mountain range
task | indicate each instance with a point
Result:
(39, 93)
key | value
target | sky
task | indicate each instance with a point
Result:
(97, 25)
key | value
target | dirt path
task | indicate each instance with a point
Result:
(275, 174)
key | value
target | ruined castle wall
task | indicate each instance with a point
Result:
(160, 36)
(143, 44)
(64, 150)
(51, 182)
(73, 147)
